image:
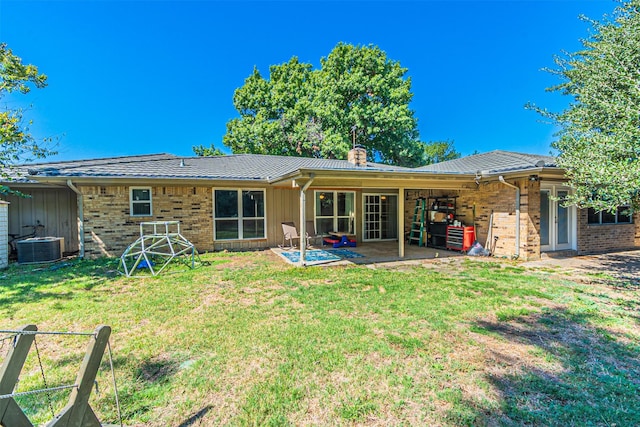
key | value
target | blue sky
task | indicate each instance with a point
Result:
(142, 77)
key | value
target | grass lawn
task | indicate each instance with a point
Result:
(247, 340)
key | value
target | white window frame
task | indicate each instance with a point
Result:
(240, 218)
(554, 204)
(353, 217)
(133, 202)
(382, 196)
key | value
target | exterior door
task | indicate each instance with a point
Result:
(557, 222)
(380, 217)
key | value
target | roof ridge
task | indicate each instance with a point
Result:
(527, 157)
(280, 156)
(276, 155)
(519, 154)
(101, 159)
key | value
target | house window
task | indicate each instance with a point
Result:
(140, 201)
(622, 215)
(335, 211)
(239, 214)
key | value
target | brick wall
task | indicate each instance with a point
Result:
(594, 238)
(531, 199)
(497, 200)
(110, 229)
(4, 237)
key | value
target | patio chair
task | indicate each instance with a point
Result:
(311, 233)
(289, 233)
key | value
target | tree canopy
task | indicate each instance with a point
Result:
(599, 136)
(211, 151)
(16, 143)
(439, 151)
(357, 96)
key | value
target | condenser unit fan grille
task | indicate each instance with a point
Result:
(40, 249)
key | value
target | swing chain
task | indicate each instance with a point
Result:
(115, 387)
(44, 379)
(6, 338)
(14, 335)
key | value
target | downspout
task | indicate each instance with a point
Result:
(501, 178)
(401, 222)
(303, 220)
(79, 200)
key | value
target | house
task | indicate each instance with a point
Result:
(239, 202)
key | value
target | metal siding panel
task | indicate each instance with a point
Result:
(273, 200)
(282, 207)
(73, 224)
(67, 219)
(50, 209)
(56, 209)
(39, 212)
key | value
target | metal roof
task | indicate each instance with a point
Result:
(252, 167)
(257, 167)
(493, 162)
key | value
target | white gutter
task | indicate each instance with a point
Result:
(369, 174)
(303, 220)
(501, 178)
(79, 200)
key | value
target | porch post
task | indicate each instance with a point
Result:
(401, 222)
(303, 221)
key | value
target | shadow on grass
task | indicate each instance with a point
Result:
(157, 370)
(29, 292)
(556, 368)
(139, 395)
(33, 283)
(621, 269)
(195, 417)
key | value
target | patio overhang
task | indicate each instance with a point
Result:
(376, 179)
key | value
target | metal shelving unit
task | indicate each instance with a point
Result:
(442, 211)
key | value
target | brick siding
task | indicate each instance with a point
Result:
(110, 229)
(595, 238)
(500, 201)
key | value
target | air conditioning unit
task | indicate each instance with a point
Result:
(40, 249)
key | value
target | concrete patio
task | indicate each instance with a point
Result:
(387, 252)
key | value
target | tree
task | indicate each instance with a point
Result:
(16, 143)
(439, 151)
(275, 114)
(364, 98)
(202, 151)
(599, 137)
(358, 96)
